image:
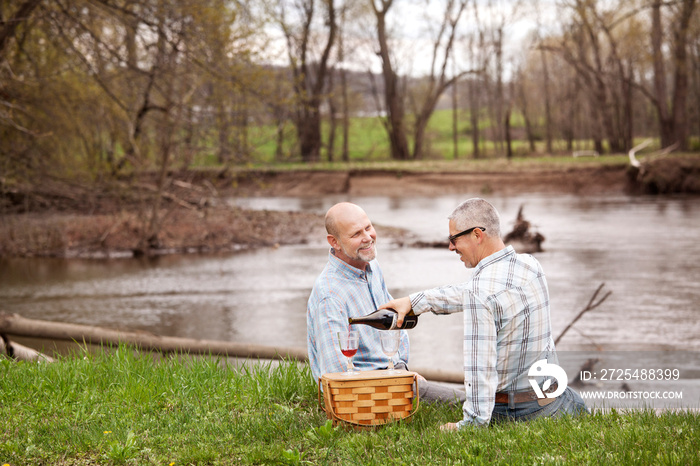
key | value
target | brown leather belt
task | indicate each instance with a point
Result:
(522, 397)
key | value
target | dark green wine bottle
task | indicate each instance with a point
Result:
(385, 319)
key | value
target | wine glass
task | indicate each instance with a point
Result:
(349, 341)
(390, 346)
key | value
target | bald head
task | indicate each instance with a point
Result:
(340, 214)
(351, 234)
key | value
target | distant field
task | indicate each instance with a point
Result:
(368, 142)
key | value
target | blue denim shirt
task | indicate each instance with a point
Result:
(343, 291)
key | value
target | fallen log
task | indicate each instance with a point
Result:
(14, 324)
(18, 352)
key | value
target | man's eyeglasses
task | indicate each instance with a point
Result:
(462, 233)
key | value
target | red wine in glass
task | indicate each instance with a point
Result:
(349, 341)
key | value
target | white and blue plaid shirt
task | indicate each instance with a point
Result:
(507, 326)
(343, 291)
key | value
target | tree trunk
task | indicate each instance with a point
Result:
(660, 93)
(438, 82)
(224, 150)
(509, 147)
(333, 121)
(680, 94)
(474, 103)
(307, 88)
(629, 108)
(346, 117)
(455, 119)
(309, 134)
(547, 102)
(499, 97)
(393, 96)
(345, 103)
(525, 108)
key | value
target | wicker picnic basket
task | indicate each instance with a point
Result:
(370, 399)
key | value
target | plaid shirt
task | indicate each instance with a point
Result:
(342, 291)
(507, 326)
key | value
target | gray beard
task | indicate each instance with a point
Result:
(363, 256)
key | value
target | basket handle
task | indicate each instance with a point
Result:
(323, 408)
(415, 383)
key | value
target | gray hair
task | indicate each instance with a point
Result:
(477, 212)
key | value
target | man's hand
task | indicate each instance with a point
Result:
(449, 427)
(402, 306)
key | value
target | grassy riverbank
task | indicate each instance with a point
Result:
(124, 408)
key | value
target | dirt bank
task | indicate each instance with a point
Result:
(196, 218)
(404, 184)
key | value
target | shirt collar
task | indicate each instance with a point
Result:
(495, 257)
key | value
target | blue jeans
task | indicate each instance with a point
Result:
(569, 402)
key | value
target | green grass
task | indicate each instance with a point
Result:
(126, 408)
(369, 147)
(368, 141)
(490, 165)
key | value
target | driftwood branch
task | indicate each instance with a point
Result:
(592, 304)
(14, 350)
(633, 152)
(13, 324)
(662, 153)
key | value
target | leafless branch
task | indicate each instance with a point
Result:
(592, 304)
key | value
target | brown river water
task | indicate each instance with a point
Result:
(645, 249)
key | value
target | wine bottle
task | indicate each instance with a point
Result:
(385, 319)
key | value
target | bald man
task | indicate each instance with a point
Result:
(352, 285)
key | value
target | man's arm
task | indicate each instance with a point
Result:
(441, 300)
(480, 361)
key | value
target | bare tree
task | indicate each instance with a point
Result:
(547, 101)
(672, 122)
(477, 56)
(438, 81)
(583, 49)
(523, 101)
(393, 93)
(345, 97)
(310, 74)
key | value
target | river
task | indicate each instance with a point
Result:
(645, 250)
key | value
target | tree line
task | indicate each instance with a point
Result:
(101, 88)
